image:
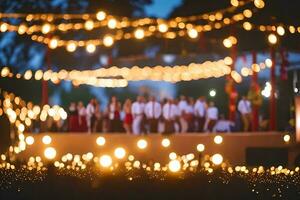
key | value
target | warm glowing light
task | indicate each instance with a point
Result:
(105, 161)
(89, 25)
(163, 28)
(280, 30)
(139, 34)
(217, 159)
(172, 155)
(29, 140)
(234, 3)
(112, 23)
(212, 93)
(228, 60)
(46, 139)
(286, 138)
(272, 38)
(165, 142)
(100, 141)
(227, 43)
(71, 47)
(120, 153)
(259, 3)
(268, 62)
(90, 48)
(46, 28)
(108, 40)
(53, 43)
(50, 153)
(100, 15)
(142, 144)
(174, 165)
(218, 139)
(247, 26)
(193, 33)
(200, 147)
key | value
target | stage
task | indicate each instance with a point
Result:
(233, 148)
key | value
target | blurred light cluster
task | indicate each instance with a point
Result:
(256, 67)
(22, 116)
(102, 77)
(146, 27)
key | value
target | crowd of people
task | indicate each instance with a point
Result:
(151, 116)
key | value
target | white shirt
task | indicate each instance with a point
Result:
(223, 126)
(212, 113)
(189, 109)
(244, 106)
(82, 111)
(137, 108)
(90, 110)
(153, 110)
(182, 105)
(170, 111)
(200, 108)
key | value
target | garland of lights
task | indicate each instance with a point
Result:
(161, 30)
(192, 71)
(112, 23)
(126, 22)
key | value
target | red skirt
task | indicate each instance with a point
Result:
(73, 123)
(128, 118)
(83, 124)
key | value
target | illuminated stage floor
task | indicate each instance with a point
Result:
(233, 148)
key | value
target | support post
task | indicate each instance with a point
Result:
(273, 91)
(255, 108)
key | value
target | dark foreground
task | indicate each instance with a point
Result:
(53, 183)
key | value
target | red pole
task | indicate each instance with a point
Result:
(232, 95)
(273, 90)
(45, 83)
(254, 87)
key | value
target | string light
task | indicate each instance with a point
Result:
(112, 23)
(139, 34)
(100, 15)
(108, 41)
(272, 38)
(192, 33)
(90, 48)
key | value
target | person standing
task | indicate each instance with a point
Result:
(200, 112)
(98, 114)
(244, 107)
(73, 118)
(152, 112)
(90, 115)
(189, 115)
(115, 115)
(182, 106)
(137, 111)
(211, 116)
(127, 124)
(170, 113)
(82, 117)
